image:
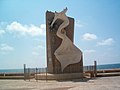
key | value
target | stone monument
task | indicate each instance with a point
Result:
(62, 55)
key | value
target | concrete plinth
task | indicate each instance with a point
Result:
(66, 76)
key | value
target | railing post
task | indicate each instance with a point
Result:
(46, 74)
(24, 71)
(95, 68)
(29, 73)
(36, 74)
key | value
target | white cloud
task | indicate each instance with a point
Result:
(78, 23)
(36, 50)
(35, 53)
(108, 41)
(6, 48)
(2, 32)
(89, 51)
(39, 47)
(32, 30)
(89, 36)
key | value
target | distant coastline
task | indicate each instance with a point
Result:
(11, 70)
(99, 67)
(108, 66)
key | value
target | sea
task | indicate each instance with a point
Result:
(99, 67)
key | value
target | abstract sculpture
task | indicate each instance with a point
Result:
(67, 53)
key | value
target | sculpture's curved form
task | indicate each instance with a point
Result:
(67, 53)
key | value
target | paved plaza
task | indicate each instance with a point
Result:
(101, 83)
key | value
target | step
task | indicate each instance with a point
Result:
(108, 74)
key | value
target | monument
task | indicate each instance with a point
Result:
(62, 55)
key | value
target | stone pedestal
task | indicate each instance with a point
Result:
(65, 76)
(53, 42)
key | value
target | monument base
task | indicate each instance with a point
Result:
(65, 76)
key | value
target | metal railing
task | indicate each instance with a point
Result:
(30, 73)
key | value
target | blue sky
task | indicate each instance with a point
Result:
(22, 30)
